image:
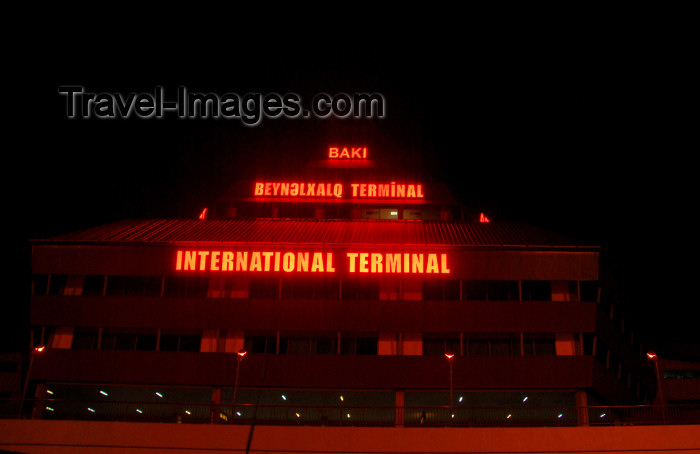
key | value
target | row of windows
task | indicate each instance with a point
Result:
(512, 344)
(466, 344)
(347, 289)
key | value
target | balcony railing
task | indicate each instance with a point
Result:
(375, 416)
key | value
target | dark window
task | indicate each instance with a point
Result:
(57, 283)
(441, 290)
(539, 344)
(40, 284)
(94, 285)
(537, 290)
(502, 290)
(358, 346)
(129, 340)
(85, 338)
(311, 345)
(475, 290)
(360, 289)
(133, 286)
(176, 342)
(264, 288)
(261, 344)
(478, 347)
(439, 345)
(195, 287)
(589, 290)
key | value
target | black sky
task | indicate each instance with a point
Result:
(581, 129)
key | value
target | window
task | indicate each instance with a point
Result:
(261, 344)
(358, 346)
(439, 345)
(537, 291)
(360, 289)
(129, 340)
(85, 338)
(310, 288)
(311, 345)
(94, 285)
(491, 290)
(441, 289)
(265, 288)
(494, 344)
(195, 287)
(133, 286)
(40, 284)
(180, 342)
(539, 344)
(589, 290)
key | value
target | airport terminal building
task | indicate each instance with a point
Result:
(345, 294)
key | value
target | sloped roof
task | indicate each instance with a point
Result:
(319, 231)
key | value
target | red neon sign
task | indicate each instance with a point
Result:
(391, 190)
(311, 262)
(347, 153)
(287, 189)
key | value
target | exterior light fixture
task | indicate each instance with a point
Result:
(239, 357)
(654, 358)
(450, 357)
(35, 351)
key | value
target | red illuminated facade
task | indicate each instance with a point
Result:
(345, 286)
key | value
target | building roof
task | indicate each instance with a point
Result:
(319, 231)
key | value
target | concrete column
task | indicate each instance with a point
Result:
(582, 408)
(399, 416)
(215, 405)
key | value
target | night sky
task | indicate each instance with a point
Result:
(582, 130)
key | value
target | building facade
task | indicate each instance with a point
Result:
(349, 293)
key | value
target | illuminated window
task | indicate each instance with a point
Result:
(388, 213)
